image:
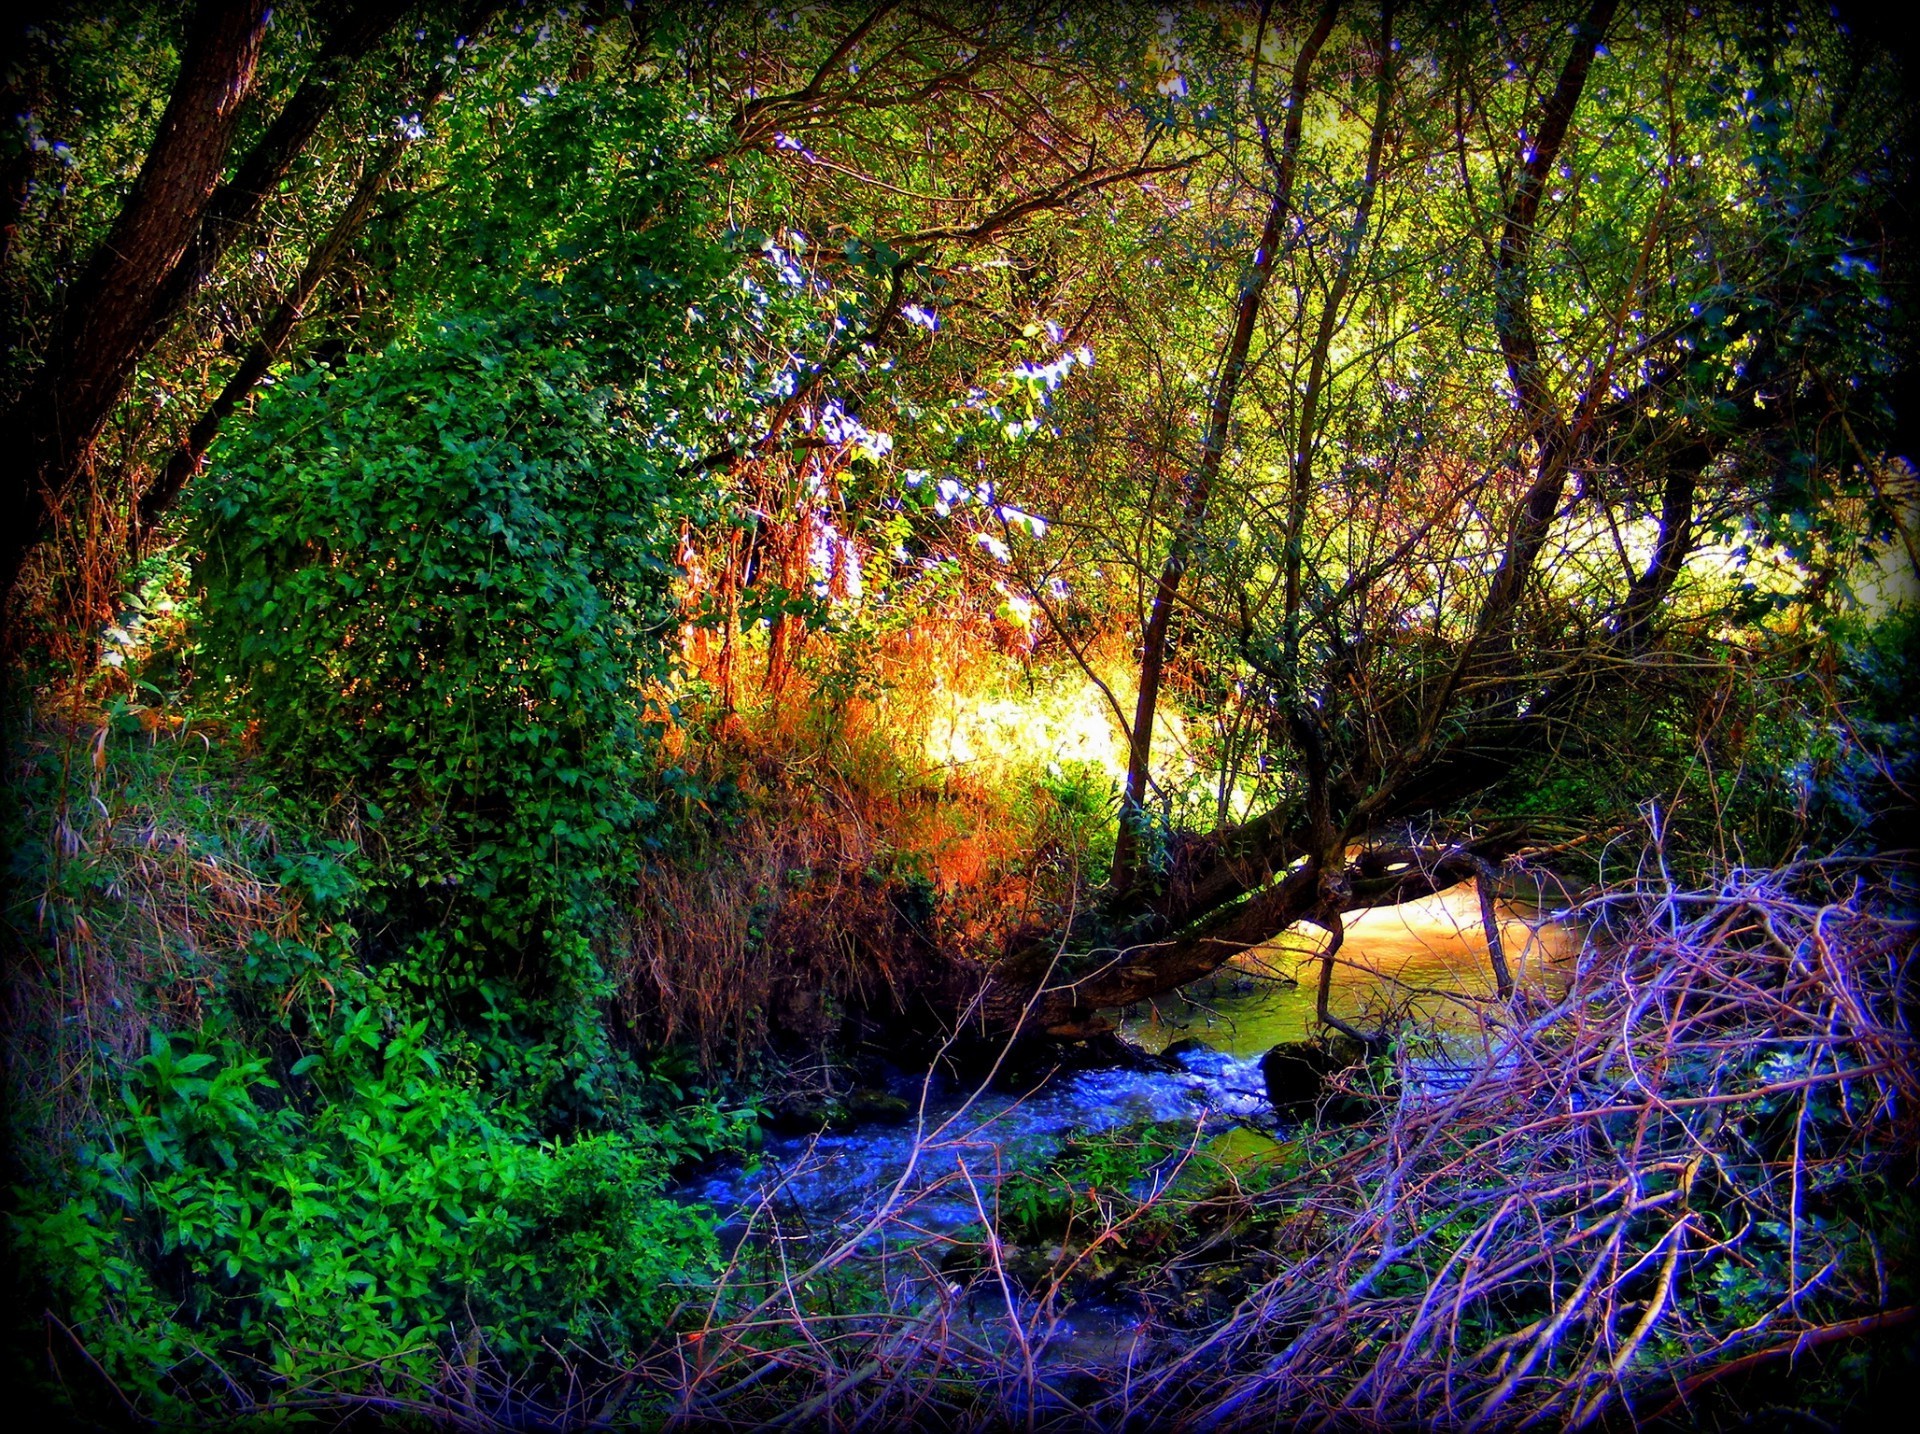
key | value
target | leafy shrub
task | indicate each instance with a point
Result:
(1083, 799)
(436, 575)
(437, 579)
(349, 1224)
(243, 1168)
(1107, 1166)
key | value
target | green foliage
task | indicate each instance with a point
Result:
(588, 211)
(1807, 745)
(437, 576)
(1859, 770)
(1082, 1182)
(1080, 819)
(434, 578)
(437, 579)
(362, 1213)
(292, 1181)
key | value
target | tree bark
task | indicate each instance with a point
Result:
(186, 460)
(270, 344)
(1126, 974)
(53, 425)
(236, 205)
(1483, 886)
(1513, 322)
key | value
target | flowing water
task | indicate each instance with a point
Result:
(1428, 956)
(893, 1186)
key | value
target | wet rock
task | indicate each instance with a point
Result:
(810, 1112)
(803, 1114)
(879, 1107)
(1029, 1269)
(1187, 1046)
(1296, 1073)
(1299, 1074)
(1032, 1060)
(1115, 1052)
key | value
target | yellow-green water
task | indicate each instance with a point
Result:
(1430, 955)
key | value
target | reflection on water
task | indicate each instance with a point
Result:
(1427, 956)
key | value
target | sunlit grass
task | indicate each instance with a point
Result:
(999, 719)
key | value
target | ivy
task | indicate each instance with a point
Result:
(438, 580)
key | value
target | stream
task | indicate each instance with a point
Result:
(1427, 956)
(894, 1189)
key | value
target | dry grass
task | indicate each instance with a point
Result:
(144, 884)
(852, 870)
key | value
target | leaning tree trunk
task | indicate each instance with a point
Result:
(1229, 897)
(235, 207)
(270, 344)
(53, 424)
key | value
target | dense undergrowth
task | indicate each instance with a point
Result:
(282, 1142)
(249, 1167)
(1678, 1194)
(260, 1167)
(759, 563)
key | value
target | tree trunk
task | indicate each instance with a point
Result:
(1193, 926)
(1483, 887)
(1553, 440)
(53, 425)
(236, 205)
(1336, 929)
(1213, 446)
(271, 342)
(1513, 322)
(1069, 1007)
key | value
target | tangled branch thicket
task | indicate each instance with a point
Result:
(1688, 1165)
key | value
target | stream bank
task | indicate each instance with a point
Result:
(1078, 1218)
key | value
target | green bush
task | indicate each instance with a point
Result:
(1856, 773)
(353, 1224)
(438, 580)
(312, 1189)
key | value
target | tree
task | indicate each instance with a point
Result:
(181, 216)
(1502, 551)
(1213, 444)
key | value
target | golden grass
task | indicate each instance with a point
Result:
(143, 886)
(885, 846)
